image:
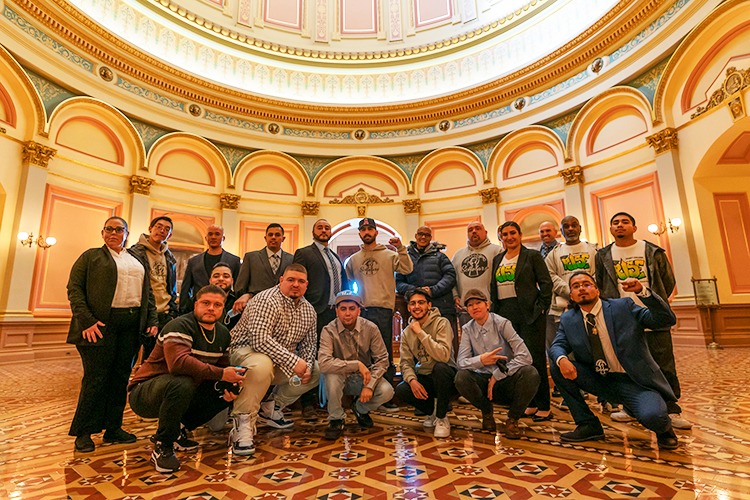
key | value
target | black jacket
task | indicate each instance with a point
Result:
(318, 280)
(196, 277)
(660, 275)
(433, 269)
(533, 284)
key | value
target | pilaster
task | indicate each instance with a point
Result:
(490, 199)
(230, 222)
(411, 214)
(575, 204)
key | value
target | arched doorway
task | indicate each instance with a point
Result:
(345, 237)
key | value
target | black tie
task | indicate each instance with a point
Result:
(596, 345)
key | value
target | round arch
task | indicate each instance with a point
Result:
(198, 145)
(433, 161)
(361, 163)
(519, 139)
(277, 159)
(32, 107)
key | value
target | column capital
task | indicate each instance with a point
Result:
(37, 154)
(140, 185)
(310, 208)
(663, 141)
(229, 201)
(412, 206)
(572, 175)
(490, 195)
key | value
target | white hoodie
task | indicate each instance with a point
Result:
(474, 268)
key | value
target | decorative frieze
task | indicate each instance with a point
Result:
(361, 197)
(663, 141)
(140, 185)
(37, 154)
(229, 201)
(490, 195)
(412, 206)
(735, 81)
(572, 175)
(310, 208)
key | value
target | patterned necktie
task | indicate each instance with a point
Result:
(274, 263)
(336, 277)
(600, 362)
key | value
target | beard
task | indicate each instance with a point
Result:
(367, 239)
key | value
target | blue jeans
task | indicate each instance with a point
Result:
(338, 386)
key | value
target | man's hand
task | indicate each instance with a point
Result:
(457, 303)
(489, 358)
(152, 331)
(418, 389)
(232, 375)
(632, 285)
(396, 242)
(416, 327)
(229, 396)
(567, 369)
(365, 372)
(91, 332)
(489, 387)
(365, 395)
(300, 368)
(239, 304)
(305, 378)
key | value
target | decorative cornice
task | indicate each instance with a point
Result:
(361, 197)
(735, 81)
(37, 154)
(141, 185)
(412, 206)
(229, 201)
(310, 208)
(572, 175)
(663, 141)
(490, 195)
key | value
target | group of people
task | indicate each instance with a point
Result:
(250, 337)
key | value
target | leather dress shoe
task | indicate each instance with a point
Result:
(584, 432)
(84, 444)
(119, 436)
(488, 422)
(538, 418)
(667, 440)
(512, 431)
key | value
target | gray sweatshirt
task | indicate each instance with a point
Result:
(375, 273)
(474, 268)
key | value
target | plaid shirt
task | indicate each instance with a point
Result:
(273, 325)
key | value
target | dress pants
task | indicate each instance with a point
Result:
(660, 344)
(439, 386)
(149, 342)
(383, 318)
(175, 399)
(516, 390)
(106, 369)
(647, 405)
(339, 385)
(534, 336)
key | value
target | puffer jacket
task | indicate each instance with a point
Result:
(433, 269)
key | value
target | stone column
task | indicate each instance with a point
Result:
(310, 211)
(230, 222)
(490, 199)
(411, 211)
(574, 201)
(140, 213)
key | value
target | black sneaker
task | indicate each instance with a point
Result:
(334, 430)
(119, 436)
(309, 413)
(364, 419)
(164, 458)
(389, 407)
(556, 393)
(584, 432)
(184, 443)
(84, 444)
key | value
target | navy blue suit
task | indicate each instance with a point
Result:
(643, 387)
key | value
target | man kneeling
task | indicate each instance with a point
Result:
(353, 358)
(177, 383)
(494, 364)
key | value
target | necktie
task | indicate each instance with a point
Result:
(334, 270)
(596, 345)
(274, 263)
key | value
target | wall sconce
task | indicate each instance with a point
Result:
(673, 225)
(27, 239)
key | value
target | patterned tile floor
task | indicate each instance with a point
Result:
(397, 459)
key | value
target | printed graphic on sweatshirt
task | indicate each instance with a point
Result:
(369, 266)
(631, 268)
(575, 262)
(474, 265)
(505, 274)
(159, 273)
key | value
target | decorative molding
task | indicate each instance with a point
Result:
(310, 208)
(663, 141)
(361, 197)
(37, 154)
(735, 81)
(737, 108)
(572, 175)
(490, 195)
(229, 201)
(412, 206)
(140, 185)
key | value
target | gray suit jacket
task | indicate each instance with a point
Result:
(256, 274)
(196, 277)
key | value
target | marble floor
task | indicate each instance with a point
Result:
(397, 459)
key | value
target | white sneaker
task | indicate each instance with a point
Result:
(442, 427)
(678, 422)
(272, 416)
(241, 435)
(463, 400)
(429, 420)
(622, 416)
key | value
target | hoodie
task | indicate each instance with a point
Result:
(161, 271)
(474, 268)
(374, 271)
(433, 345)
(432, 269)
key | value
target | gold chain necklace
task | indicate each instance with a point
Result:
(204, 334)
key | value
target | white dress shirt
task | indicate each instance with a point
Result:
(130, 274)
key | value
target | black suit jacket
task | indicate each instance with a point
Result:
(533, 283)
(256, 274)
(91, 288)
(318, 279)
(196, 277)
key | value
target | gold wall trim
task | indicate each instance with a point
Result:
(451, 211)
(529, 183)
(448, 198)
(157, 200)
(606, 160)
(620, 172)
(118, 191)
(92, 167)
(531, 198)
(271, 215)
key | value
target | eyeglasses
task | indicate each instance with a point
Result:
(424, 235)
(576, 286)
(110, 229)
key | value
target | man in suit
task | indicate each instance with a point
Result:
(199, 267)
(262, 268)
(326, 278)
(612, 358)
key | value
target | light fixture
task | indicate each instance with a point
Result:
(659, 229)
(27, 239)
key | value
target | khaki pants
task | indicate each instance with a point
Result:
(261, 373)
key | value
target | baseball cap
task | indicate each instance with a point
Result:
(474, 293)
(348, 295)
(367, 222)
